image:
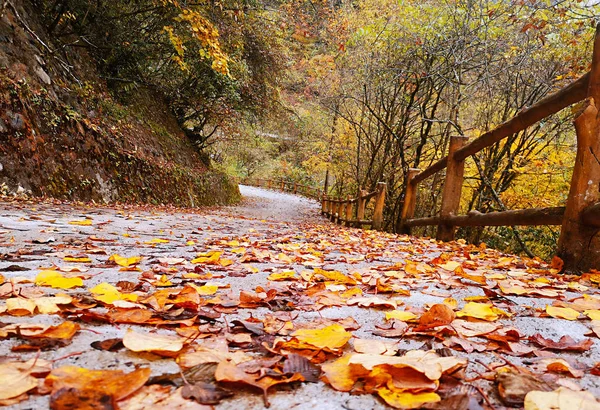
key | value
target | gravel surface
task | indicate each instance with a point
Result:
(264, 215)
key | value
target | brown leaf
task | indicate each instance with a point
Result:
(137, 316)
(565, 343)
(87, 399)
(17, 378)
(228, 372)
(205, 393)
(111, 345)
(295, 363)
(113, 383)
(438, 315)
(513, 387)
(394, 328)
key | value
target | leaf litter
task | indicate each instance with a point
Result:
(203, 308)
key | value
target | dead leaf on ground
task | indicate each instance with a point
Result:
(561, 399)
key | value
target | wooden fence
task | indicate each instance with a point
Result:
(351, 211)
(579, 243)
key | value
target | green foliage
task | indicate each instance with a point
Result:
(212, 61)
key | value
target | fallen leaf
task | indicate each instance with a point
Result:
(155, 343)
(373, 302)
(562, 313)
(438, 315)
(513, 387)
(228, 372)
(17, 378)
(113, 383)
(107, 293)
(295, 363)
(84, 222)
(404, 400)
(400, 315)
(125, 262)
(561, 399)
(565, 343)
(332, 337)
(205, 393)
(482, 311)
(55, 279)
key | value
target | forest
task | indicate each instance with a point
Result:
(300, 204)
(344, 94)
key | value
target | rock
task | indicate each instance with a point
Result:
(43, 75)
(16, 121)
(3, 127)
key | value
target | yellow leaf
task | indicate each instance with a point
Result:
(290, 274)
(190, 243)
(78, 260)
(151, 342)
(225, 262)
(205, 290)
(284, 258)
(476, 298)
(84, 222)
(562, 313)
(331, 337)
(107, 293)
(405, 400)
(20, 306)
(400, 315)
(113, 384)
(155, 241)
(211, 257)
(450, 265)
(49, 305)
(163, 282)
(16, 379)
(335, 276)
(450, 302)
(340, 375)
(592, 314)
(56, 280)
(560, 399)
(482, 311)
(125, 262)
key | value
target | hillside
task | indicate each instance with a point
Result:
(63, 134)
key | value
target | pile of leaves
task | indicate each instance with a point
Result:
(416, 323)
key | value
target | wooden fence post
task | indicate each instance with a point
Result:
(410, 200)
(360, 207)
(348, 211)
(282, 185)
(323, 205)
(295, 188)
(269, 183)
(579, 245)
(334, 207)
(379, 204)
(452, 188)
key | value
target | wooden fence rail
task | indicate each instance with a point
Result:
(579, 243)
(342, 211)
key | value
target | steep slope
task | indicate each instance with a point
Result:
(63, 135)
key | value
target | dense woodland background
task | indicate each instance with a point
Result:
(354, 92)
